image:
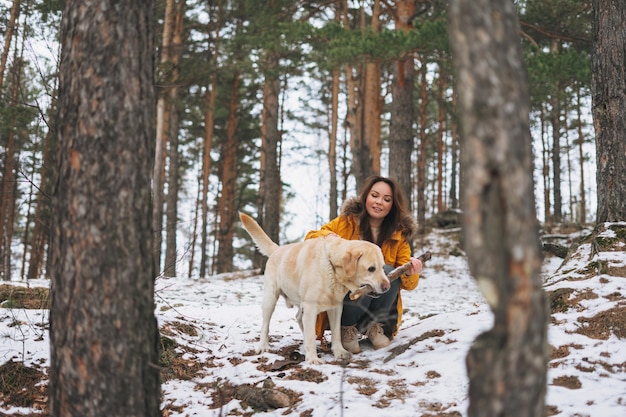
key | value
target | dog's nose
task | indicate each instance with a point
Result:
(386, 285)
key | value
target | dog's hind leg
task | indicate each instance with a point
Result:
(270, 298)
(334, 320)
(309, 315)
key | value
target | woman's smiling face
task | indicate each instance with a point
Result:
(379, 202)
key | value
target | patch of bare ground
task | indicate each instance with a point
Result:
(397, 390)
(262, 396)
(552, 410)
(179, 361)
(12, 296)
(437, 409)
(571, 382)
(307, 374)
(24, 386)
(365, 386)
(605, 323)
(560, 352)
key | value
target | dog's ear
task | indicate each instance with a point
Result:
(349, 261)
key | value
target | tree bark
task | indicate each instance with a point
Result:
(209, 121)
(354, 116)
(171, 214)
(162, 129)
(441, 88)
(332, 145)
(581, 161)
(272, 197)
(103, 333)
(372, 108)
(171, 200)
(401, 134)
(8, 37)
(422, 157)
(507, 365)
(454, 162)
(226, 204)
(41, 228)
(608, 84)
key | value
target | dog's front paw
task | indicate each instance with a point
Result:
(262, 348)
(313, 360)
(342, 354)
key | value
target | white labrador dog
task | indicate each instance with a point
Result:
(315, 275)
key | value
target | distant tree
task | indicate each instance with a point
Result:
(103, 332)
(8, 38)
(401, 131)
(208, 136)
(163, 115)
(173, 151)
(609, 107)
(507, 365)
(227, 203)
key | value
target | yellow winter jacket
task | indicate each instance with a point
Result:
(396, 251)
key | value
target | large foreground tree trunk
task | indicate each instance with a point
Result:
(507, 365)
(104, 336)
(608, 85)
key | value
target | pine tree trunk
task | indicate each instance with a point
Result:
(507, 365)
(171, 201)
(454, 162)
(608, 84)
(171, 213)
(209, 121)
(422, 157)
(556, 160)
(545, 152)
(226, 203)
(41, 228)
(8, 37)
(163, 109)
(401, 135)
(272, 197)
(103, 333)
(369, 153)
(581, 160)
(354, 117)
(332, 145)
(8, 191)
(441, 87)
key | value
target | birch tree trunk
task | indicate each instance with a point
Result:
(507, 365)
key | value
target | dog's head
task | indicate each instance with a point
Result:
(363, 265)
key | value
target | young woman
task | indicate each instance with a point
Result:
(378, 215)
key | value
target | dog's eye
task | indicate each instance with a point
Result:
(371, 269)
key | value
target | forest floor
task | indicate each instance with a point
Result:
(209, 332)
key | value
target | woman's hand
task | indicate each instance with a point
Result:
(416, 266)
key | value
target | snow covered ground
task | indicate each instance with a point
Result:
(215, 321)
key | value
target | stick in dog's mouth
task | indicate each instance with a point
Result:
(365, 289)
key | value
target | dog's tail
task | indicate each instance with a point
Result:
(261, 239)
